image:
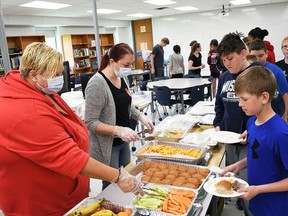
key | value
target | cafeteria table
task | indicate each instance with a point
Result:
(179, 84)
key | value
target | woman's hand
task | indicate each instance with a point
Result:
(126, 134)
(128, 183)
(147, 122)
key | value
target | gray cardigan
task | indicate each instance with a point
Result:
(100, 107)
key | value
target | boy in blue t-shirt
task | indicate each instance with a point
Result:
(267, 142)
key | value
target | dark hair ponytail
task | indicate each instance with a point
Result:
(116, 53)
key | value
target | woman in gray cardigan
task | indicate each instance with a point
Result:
(108, 109)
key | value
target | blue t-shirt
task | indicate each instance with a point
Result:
(278, 104)
(267, 162)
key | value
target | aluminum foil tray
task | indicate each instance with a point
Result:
(138, 170)
(159, 212)
(141, 153)
(116, 208)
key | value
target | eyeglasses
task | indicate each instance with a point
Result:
(284, 46)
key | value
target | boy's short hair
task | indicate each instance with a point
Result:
(230, 43)
(257, 45)
(176, 49)
(165, 40)
(251, 58)
(256, 80)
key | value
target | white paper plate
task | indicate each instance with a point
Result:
(209, 186)
(227, 137)
(198, 139)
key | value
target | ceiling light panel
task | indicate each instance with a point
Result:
(160, 2)
(45, 5)
(107, 11)
(140, 15)
(186, 8)
(240, 2)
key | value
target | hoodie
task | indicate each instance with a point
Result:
(270, 51)
(41, 148)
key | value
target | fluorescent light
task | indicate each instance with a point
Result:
(107, 11)
(45, 5)
(207, 14)
(186, 8)
(140, 15)
(248, 9)
(169, 19)
(240, 2)
(159, 2)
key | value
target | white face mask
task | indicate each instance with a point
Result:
(123, 72)
(54, 85)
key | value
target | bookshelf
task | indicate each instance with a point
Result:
(16, 46)
(80, 50)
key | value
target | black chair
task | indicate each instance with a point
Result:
(66, 76)
(161, 78)
(85, 77)
(196, 94)
(142, 85)
(163, 98)
(192, 76)
(207, 91)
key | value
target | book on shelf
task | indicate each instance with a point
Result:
(82, 63)
(94, 64)
(1, 64)
(15, 62)
(81, 52)
(93, 53)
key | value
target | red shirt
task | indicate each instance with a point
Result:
(42, 152)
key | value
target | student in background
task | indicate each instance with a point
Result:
(108, 109)
(176, 63)
(258, 33)
(157, 58)
(267, 141)
(44, 144)
(195, 60)
(280, 101)
(229, 116)
(251, 58)
(212, 62)
(283, 64)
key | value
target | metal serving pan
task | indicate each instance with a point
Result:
(138, 170)
(159, 212)
(142, 152)
(116, 208)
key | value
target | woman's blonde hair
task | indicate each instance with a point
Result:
(42, 58)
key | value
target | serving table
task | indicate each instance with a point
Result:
(114, 193)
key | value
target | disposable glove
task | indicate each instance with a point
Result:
(147, 122)
(126, 134)
(128, 183)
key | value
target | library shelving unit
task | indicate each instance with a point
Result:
(16, 46)
(80, 50)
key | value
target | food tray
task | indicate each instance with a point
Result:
(202, 109)
(140, 154)
(173, 128)
(116, 208)
(198, 139)
(168, 188)
(138, 170)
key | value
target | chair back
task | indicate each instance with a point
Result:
(142, 85)
(196, 94)
(161, 78)
(163, 95)
(85, 77)
(192, 76)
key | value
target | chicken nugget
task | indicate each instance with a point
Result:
(194, 181)
(182, 168)
(159, 174)
(177, 182)
(174, 172)
(189, 185)
(185, 174)
(171, 177)
(166, 181)
(146, 165)
(192, 170)
(145, 178)
(155, 180)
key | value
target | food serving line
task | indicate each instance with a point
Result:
(212, 156)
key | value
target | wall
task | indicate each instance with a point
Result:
(182, 29)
